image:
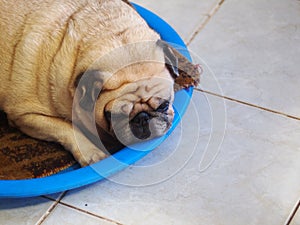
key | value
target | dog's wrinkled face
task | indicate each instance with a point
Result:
(140, 110)
(131, 105)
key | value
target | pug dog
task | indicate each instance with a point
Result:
(76, 72)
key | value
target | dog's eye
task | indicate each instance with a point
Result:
(163, 107)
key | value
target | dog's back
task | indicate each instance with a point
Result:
(33, 33)
(11, 20)
(24, 47)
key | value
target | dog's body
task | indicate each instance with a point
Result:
(47, 45)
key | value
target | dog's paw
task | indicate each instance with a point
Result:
(90, 157)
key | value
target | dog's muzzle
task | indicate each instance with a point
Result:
(139, 126)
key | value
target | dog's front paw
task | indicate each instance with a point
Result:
(89, 157)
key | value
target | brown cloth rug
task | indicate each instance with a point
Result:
(22, 157)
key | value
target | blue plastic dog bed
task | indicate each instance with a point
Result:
(77, 177)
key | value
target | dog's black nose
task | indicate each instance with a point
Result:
(140, 125)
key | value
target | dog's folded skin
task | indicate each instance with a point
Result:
(45, 45)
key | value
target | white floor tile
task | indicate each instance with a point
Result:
(184, 16)
(23, 211)
(255, 179)
(252, 46)
(68, 216)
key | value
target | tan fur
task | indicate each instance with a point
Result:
(45, 44)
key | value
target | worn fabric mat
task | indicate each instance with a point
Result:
(22, 157)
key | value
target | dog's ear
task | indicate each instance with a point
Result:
(171, 59)
(184, 73)
(89, 85)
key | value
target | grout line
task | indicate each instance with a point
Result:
(52, 207)
(292, 215)
(60, 197)
(202, 25)
(249, 104)
(89, 213)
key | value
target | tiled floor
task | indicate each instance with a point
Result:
(245, 112)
